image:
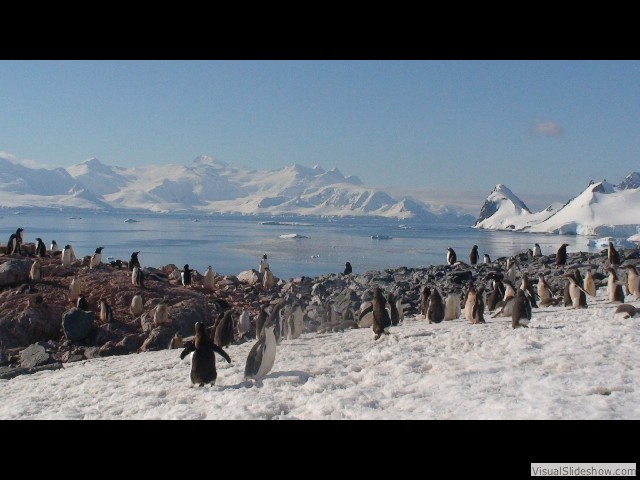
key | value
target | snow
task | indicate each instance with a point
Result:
(571, 364)
(617, 243)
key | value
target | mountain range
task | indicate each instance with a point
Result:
(209, 185)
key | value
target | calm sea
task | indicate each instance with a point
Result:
(233, 243)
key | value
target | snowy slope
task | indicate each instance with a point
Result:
(572, 364)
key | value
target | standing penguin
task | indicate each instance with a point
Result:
(137, 277)
(452, 307)
(74, 289)
(262, 355)
(209, 278)
(400, 309)
(496, 295)
(264, 263)
(589, 284)
(14, 245)
(545, 294)
(616, 294)
(161, 314)
(521, 311)
(474, 306)
(41, 248)
(537, 252)
(473, 255)
(511, 273)
(54, 247)
(561, 255)
(267, 280)
(35, 273)
(134, 262)
(451, 256)
(424, 300)
(526, 286)
(203, 360)
(185, 275)
(244, 324)
(580, 283)
(381, 320)
(96, 258)
(613, 255)
(347, 269)
(260, 320)
(574, 290)
(68, 256)
(487, 258)
(224, 330)
(435, 311)
(82, 302)
(294, 322)
(106, 314)
(137, 305)
(633, 281)
(393, 309)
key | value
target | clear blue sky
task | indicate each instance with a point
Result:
(543, 127)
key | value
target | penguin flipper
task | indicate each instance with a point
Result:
(187, 350)
(254, 360)
(365, 311)
(222, 353)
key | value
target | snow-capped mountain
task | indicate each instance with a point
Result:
(208, 186)
(601, 209)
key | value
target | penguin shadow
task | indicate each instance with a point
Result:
(302, 378)
(423, 334)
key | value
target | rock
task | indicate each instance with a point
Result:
(91, 352)
(34, 355)
(158, 339)
(69, 357)
(77, 323)
(44, 323)
(14, 271)
(250, 277)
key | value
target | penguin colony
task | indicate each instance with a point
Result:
(506, 291)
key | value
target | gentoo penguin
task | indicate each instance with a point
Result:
(263, 264)
(134, 262)
(137, 277)
(504, 308)
(616, 294)
(54, 247)
(381, 319)
(451, 256)
(294, 322)
(496, 295)
(473, 255)
(537, 252)
(276, 317)
(435, 311)
(176, 341)
(260, 320)
(452, 307)
(68, 256)
(589, 284)
(137, 305)
(613, 255)
(96, 258)
(223, 335)
(394, 315)
(545, 294)
(82, 302)
(561, 255)
(511, 273)
(203, 360)
(267, 278)
(262, 355)
(106, 314)
(365, 315)
(209, 278)
(243, 324)
(521, 311)
(474, 306)
(347, 269)
(424, 300)
(35, 272)
(526, 286)
(487, 258)
(626, 310)
(14, 245)
(400, 309)
(185, 275)
(74, 289)
(509, 290)
(161, 314)
(580, 283)
(41, 248)
(633, 281)
(574, 290)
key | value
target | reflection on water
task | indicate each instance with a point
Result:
(231, 244)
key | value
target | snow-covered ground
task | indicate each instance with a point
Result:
(571, 364)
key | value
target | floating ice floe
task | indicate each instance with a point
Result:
(381, 237)
(293, 235)
(131, 220)
(617, 242)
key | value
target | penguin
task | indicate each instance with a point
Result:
(209, 278)
(509, 290)
(381, 320)
(616, 294)
(263, 264)
(41, 248)
(589, 284)
(487, 258)
(504, 308)
(176, 342)
(633, 281)
(511, 271)
(267, 279)
(474, 306)
(574, 291)
(537, 252)
(68, 256)
(203, 360)
(365, 315)
(260, 320)
(626, 310)
(276, 317)
(35, 274)
(106, 314)
(526, 286)
(20, 235)
(134, 262)
(96, 258)
(262, 355)
(496, 295)
(451, 256)
(473, 255)
(223, 335)
(82, 302)
(12, 244)
(74, 289)
(613, 255)
(580, 283)
(452, 307)
(137, 277)
(137, 305)
(243, 324)
(545, 294)
(561, 255)
(185, 275)
(394, 315)
(294, 322)
(54, 247)
(400, 309)
(347, 269)
(521, 311)
(161, 314)
(424, 300)
(435, 311)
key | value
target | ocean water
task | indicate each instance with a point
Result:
(233, 243)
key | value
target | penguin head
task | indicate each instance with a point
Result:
(199, 328)
(99, 249)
